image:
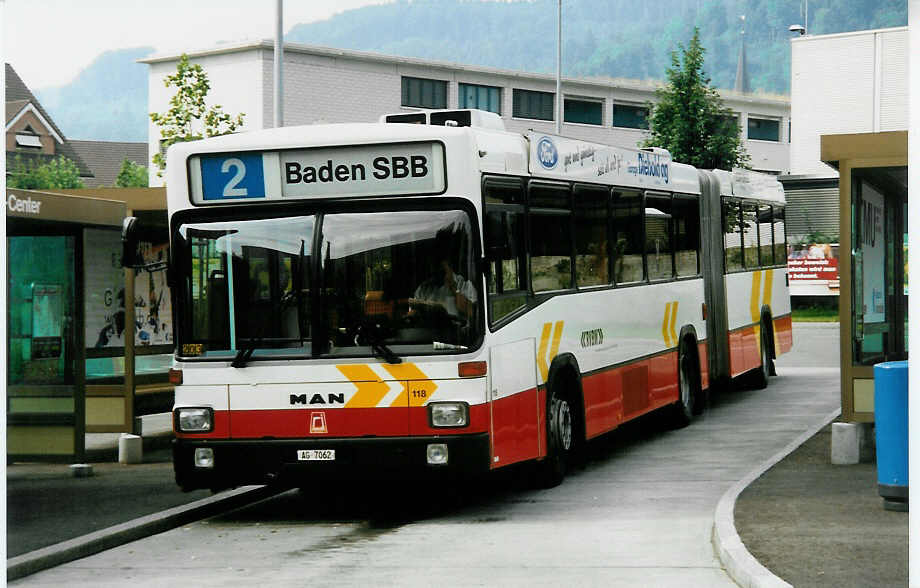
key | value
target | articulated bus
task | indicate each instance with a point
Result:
(361, 300)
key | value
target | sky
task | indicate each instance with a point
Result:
(48, 42)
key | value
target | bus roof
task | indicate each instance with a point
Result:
(486, 147)
(745, 183)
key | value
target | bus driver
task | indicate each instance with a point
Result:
(445, 288)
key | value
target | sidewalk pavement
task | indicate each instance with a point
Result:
(54, 517)
(808, 522)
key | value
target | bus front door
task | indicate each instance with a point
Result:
(514, 402)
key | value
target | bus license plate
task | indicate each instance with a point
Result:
(316, 455)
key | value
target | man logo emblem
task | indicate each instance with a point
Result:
(318, 423)
(547, 153)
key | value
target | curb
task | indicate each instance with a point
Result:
(116, 535)
(743, 568)
(110, 454)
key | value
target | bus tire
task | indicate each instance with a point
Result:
(560, 438)
(761, 375)
(688, 384)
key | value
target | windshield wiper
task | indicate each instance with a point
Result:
(371, 333)
(245, 352)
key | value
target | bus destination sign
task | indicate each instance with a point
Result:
(353, 171)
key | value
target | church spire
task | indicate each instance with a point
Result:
(742, 83)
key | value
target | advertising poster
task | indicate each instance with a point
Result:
(813, 270)
(105, 294)
(47, 320)
(872, 244)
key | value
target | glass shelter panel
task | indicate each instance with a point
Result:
(879, 262)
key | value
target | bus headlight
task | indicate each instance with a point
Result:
(449, 414)
(194, 420)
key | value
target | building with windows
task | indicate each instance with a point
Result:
(334, 85)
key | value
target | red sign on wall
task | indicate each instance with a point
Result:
(814, 271)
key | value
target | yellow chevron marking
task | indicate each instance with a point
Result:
(673, 322)
(541, 351)
(755, 307)
(557, 336)
(768, 296)
(371, 389)
(417, 387)
(664, 325)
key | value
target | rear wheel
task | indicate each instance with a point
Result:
(688, 391)
(762, 374)
(560, 434)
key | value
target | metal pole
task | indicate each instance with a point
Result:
(279, 64)
(559, 70)
(806, 17)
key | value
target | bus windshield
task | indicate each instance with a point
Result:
(382, 284)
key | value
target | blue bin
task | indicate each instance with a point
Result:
(891, 433)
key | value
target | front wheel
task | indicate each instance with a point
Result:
(560, 432)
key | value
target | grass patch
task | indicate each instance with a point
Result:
(815, 315)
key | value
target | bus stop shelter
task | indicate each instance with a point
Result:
(873, 260)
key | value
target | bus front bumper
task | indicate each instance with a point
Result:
(275, 461)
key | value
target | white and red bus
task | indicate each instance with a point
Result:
(449, 297)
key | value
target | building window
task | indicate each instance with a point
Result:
(481, 97)
(532, 104)
(587, 112)
(763, 129)
(630, 116)
(28, 140)
(421, 93)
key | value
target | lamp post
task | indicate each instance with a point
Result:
(559, 70)
(279, 65)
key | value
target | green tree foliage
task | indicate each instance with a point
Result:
(188, 117)
(59, 173)
(131, 175)
(690, 120)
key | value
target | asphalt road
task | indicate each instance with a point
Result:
(638, 513)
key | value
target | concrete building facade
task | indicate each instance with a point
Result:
(323, 85)
(845, 83)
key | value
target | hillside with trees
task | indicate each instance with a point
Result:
(613, 38)
(601, 38)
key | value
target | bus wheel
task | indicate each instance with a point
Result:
(560, 433)
(688, 386)
(762, 374)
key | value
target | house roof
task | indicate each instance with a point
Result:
(105, 158)
(17, 96)
(13, 107)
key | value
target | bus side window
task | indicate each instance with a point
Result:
(658, 246)
(504, 248)
(749, 235)
(731, 229)
(686, 213)
(591, 247)
(550, 216)
(779, 235)
(629, 230)
(765, 229)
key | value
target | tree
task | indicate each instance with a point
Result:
(59, 173)
(690, 120)
(131, 175)
(188, 117)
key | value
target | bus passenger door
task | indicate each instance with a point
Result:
(515, 402)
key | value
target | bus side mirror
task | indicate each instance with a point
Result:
(130, 256)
